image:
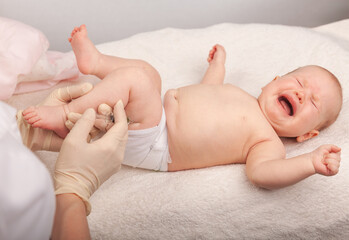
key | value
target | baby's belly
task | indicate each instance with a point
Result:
(202, 134)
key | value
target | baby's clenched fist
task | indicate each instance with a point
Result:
(326, 159)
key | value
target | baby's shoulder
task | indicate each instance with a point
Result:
(268, 145)
(262, 131)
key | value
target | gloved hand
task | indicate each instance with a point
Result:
(103, 121)
(82, 167)
(41, 139)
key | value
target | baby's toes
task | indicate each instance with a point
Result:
(29, 113)
(28, 110)
(30, 116)
(220, 53)
(220, 48)
(74, 31)
(34, 121)
(82, 27)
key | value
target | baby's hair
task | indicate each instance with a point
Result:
(334, 78)
(339, 87)
(329, 121)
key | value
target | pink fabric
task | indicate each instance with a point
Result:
(24, 60)
(63, 67)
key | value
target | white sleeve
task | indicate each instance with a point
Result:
(27, 200)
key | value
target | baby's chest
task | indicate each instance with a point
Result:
(247, 124)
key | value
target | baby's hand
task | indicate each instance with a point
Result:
(217, 54)
(326, 159)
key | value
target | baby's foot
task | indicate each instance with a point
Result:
(47, 117)
(217, 54)
(87, 55)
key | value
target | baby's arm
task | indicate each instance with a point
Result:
(266, 169)
(215, 72)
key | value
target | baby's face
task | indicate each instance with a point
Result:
(300, 101)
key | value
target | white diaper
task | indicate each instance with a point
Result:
(148, 148)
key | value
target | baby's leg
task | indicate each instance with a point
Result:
(91, 61)
(136, 82)
(133, 85)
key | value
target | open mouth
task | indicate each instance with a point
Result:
(285, 103)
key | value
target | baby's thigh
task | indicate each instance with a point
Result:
(144, 106)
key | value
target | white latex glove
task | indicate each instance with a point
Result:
(103, 121)
(42, 139)
(82, 167)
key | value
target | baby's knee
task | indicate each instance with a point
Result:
(149, 75)
(146, 66)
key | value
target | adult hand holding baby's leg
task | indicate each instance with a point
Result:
(41, 139)
(81, 166)
(103, 121)
(326, 159)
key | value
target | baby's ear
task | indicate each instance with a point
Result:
(309, 135)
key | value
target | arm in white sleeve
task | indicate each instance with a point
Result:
(26, 189)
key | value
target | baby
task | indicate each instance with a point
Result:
(210, 123)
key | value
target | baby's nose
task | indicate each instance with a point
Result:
(300, 96)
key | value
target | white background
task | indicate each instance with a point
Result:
(110, 20)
